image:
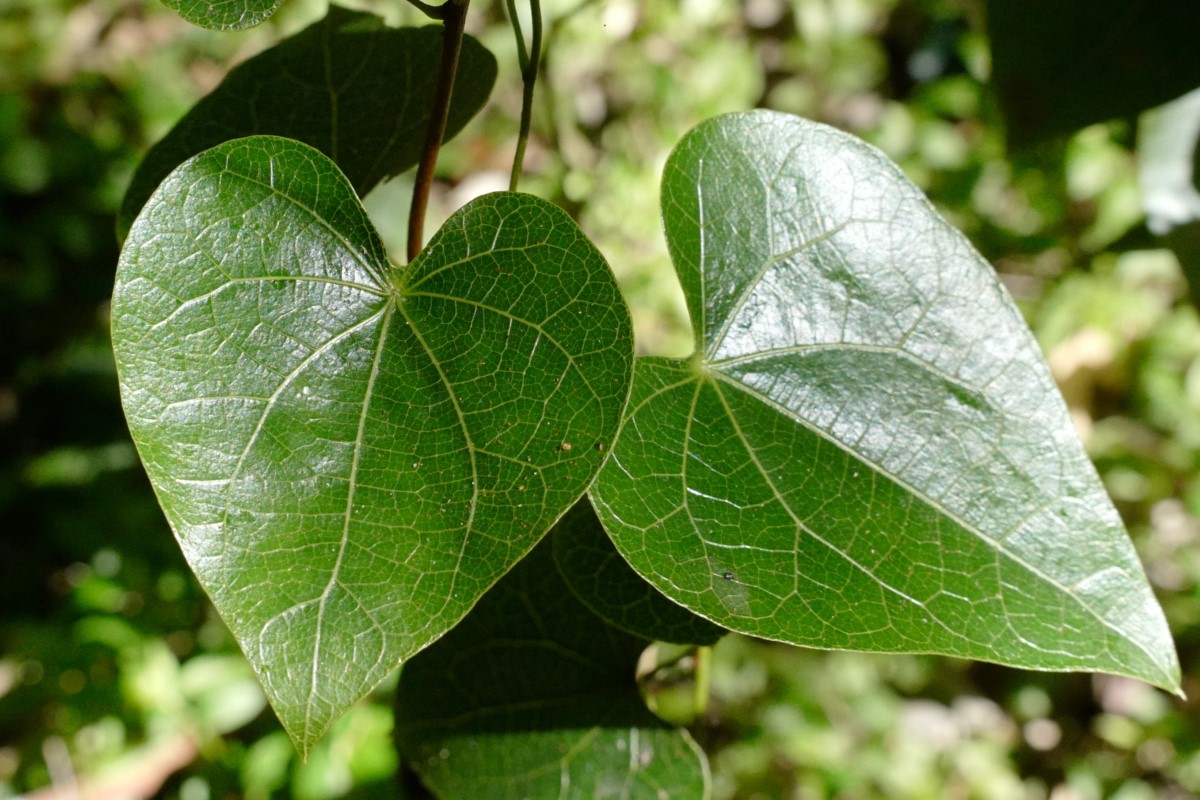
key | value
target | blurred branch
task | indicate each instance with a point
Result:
(515, 21)
(139, 775)
(431, 11)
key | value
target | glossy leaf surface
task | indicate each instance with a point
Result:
(224, 15)
(350, 454)
(1069, 63)
(867, 450)
(534, 696)
(354, 89)
(602, 580)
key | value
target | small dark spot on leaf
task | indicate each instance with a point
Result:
(728, 576)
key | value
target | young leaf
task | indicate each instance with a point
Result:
(866, 450)
(351, 454)
(1069, 63)
(534, 696)
(224, 15)
(602, 580)
(356, 90)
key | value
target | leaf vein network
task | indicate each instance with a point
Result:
(329, 227)
(265, 279)
(760, 273)
(541, 331)
(270, 404)
(348, 515)
(997, 546)
(802, 528)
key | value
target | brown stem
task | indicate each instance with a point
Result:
(454, 20)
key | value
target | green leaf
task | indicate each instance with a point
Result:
(354, 89)
(866, 450)
(534, 696)
(1065, 64)
(350, 454)
(602, 580)
(224, 15)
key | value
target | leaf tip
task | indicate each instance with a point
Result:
(305, 734)
(1173, 683)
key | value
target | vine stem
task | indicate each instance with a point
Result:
(530, 62)
(453, 14)
(703, 681)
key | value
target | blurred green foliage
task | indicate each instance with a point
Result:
(115, 671)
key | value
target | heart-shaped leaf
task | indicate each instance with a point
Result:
(350, 454)
(602, 580)
(534, 696)
(224, 15)
(866, 450)
(351, 87)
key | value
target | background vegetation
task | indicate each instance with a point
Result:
(115, 675)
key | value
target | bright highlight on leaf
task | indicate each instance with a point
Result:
(351, 454)
(353, 88)
(534, 696)
(866, 450)
(224, 15)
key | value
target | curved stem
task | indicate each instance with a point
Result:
(431, 11)
(522, 53)
(454, 17)
(529, 74)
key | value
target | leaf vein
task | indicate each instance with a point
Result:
(998, 546)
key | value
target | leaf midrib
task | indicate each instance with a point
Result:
(460, 415)
(997, 546)
(799, 524)
(347, 516)
(853, 347)
(270, 404)
(715, 377)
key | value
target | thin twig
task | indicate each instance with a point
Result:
(454, 20)
(431, 11)
(529, 76)
(522, 53)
